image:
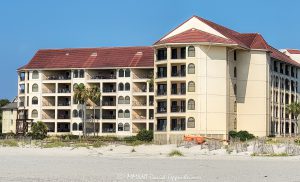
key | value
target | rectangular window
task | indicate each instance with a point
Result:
(234, 55)
(183, 53)
(162, 54)
(174, 53)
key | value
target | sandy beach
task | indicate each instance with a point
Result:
(144, 163)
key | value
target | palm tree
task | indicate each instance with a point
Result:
(294, 108)
(151, 79)
(81, 96)
(94, 95)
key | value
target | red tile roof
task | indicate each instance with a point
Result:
(245, 40)
(195, 35)
(293, 51)
(92, 58)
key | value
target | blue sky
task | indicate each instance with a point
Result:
(26, 26)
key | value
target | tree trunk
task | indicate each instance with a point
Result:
(94, 121)
(84, 114)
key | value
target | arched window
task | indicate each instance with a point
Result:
(191, 86)
(75, 113)
(235, 124)
(35, 88)
(121, 86)
(235, 107)
(120, 127)
(127, 86)
(80, 126)
(234, 89)
(35, 75)
(234, 72)
(120, 114)
(127, 73)
(191, 122)
(81, 73)
(126, 127)
(191, 68)
(121, 73)
(34, 113)
(75, 73)
(121, 100)
(127, 114)
(127, 100)
(191, 51)
(191, 104)
(35, 101)
(74, 127)
(80, 114)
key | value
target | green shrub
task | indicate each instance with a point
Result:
(242, 135)
(38, 130)
(175, 153)
(145, 135)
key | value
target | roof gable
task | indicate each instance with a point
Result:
(195, 23)
(193, 36)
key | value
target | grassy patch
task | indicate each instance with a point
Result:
(9, 143)
(174, 153)
(270, 155)
(55, 144)
(98, 144)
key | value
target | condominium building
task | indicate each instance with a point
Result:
(46, 89)
(208, 80)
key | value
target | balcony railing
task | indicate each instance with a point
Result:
(142, 76)
(48, 90)
(64, 90)
(139, 103)
(107, 90)
(62, 116)
(58, 77)
(64, 103)
(108, 130)
(161, 109)
(98, 77)
(161, 75)
(180, 73)
(138, 117)
(161, 92)
(107, 116)
(140, 89)
(178, 109)
(178, 92)
(108, 103)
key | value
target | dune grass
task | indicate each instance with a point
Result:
(175, 153)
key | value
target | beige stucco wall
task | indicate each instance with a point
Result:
(252, 92)
(9, 121)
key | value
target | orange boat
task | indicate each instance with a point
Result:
(193, 138)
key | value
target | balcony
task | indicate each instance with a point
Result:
(140, 87)
(178, 124)
(178, 53)
(101, 74)
(48, 101)
(108, 101)
(161, 54)
(142, 74)
(108, 127)
(161, 125)
(48, 88)
(108, 114)
(178, 109)
(58, 77)
(63, 114)
(109, 87)
(161, 92)
(64, 88)
(161, 109)
(48, 114)
(179, 73)
(139, 114)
